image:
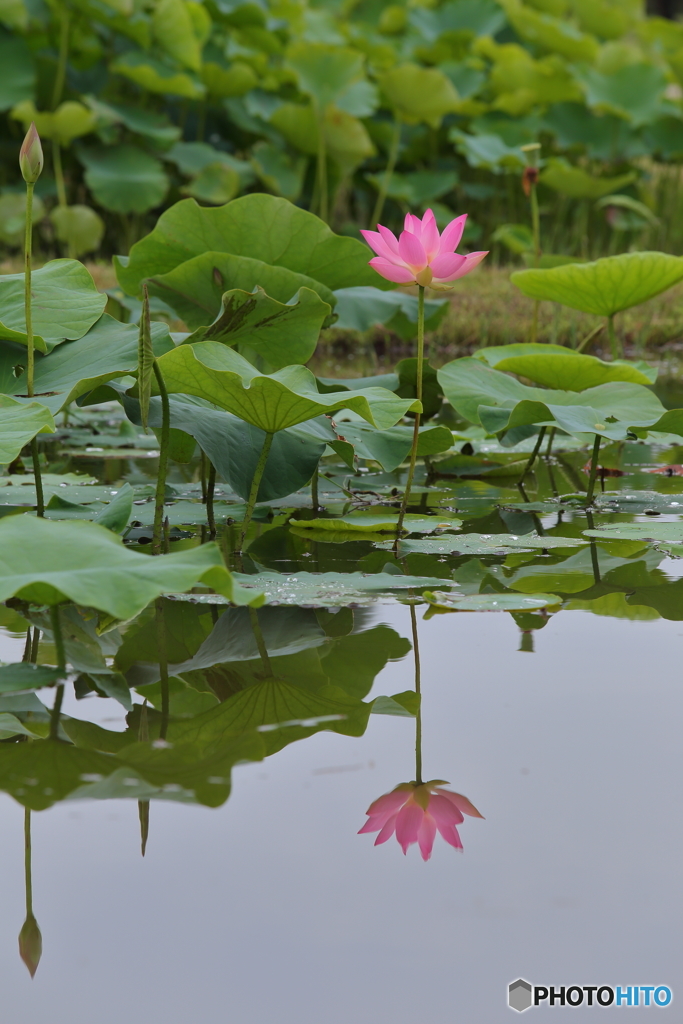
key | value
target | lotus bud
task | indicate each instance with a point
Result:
(31, 156)
(31, 941)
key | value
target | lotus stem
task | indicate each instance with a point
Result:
(143, 805)
(163, 665)
(27, 862)
(589, 337)
(314, 491)
(416, 426)
(30, 369)
(594, 470)
(163, 461)
(418, 691)
(210, 490)
(255, 484)
(388, 173)
(260, 643)
(202, 473)
(551, 438)
(532, 457)
(322, 169)
(613, 342)
(58, 637)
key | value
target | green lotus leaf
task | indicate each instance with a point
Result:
(123, 178)
(419, 95)
(359, 522)
(482, 544)
(48, 562)
(280, 173)
(13, 216)
(634, 92)
(607, 285)
(107, 351)
(331, 589)
(173, 30)
(24, 677)
(271, 402)
(19, 424)
(499, 402)
(215, 184)
(579, 184)
(66, 303)
(234, 446)
(79, 227)
(195, 289)
(156, 76)
(19, 76)
(40, 773)
(442, 602)
(257, 226)
(391, 447)
(155, 127)
(553, 366)
(324, 72)
(667, 537)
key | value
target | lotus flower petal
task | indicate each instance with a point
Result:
(376, 242)
(425, 836)
(447, 266)
(445, 811)
(408, 824)
(392, 272)
(411, 250)
(387, 831)
(461, 802)
(452, 233)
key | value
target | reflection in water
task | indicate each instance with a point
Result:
(414, 811)
(30, 939)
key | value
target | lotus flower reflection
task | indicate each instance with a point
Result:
(415, 812)
(421, 255)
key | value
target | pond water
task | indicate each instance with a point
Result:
(259, 902)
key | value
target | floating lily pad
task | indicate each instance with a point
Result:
(331, 589)
(366, 523)
(25, 677)
(553, 366)
(665, 536)
(484, 544)
(442, 602)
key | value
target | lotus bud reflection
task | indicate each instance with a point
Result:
(31, 156)
(421, 255)
(415, 812)
(30, 944)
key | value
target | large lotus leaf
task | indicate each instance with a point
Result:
(605, 286)
(156, 76)
(634, 92)
(331, 589)
(579, 184)
(549, 33)
(124, 179)
(195, 289)
(155, 127)
(482, 544)
(107, 351)
(391, 447)
(499, 402)
(13, 216)
(281, 333)
(234, 447)
(418, 94)
(65, 304)
(18, 78)
(486, 150)
(274, 401)
(552, 366)
(47, 562)
(174, 31)
(281, 173)
(361, 522)
(24, 677)
(324, 72)
(79, 227)
(68, 122)
(258, 226)
(19, 424)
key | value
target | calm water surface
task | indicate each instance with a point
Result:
(271, 908)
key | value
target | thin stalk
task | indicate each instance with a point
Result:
(210, 490)
(59, 174)
(260, 643)
(536, 231)
(416, 428)
(314, 491)
(163, 461)
(418, 691)
(322, 170)
(255, 484)
(551, 438)
(589, 337)
(28, 878)
(63, 56)
(532, 457)
(202, 471)
(143, 805)
(594, 550)
(34, 645)
(388, 172)
(163, 665)
(28, 312)
(27, 646)
(613, 342)
(58, 637)
(594, 470)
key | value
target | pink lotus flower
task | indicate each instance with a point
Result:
(421, 255)
(415, 811)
